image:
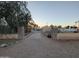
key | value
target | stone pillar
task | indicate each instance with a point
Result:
(21, 32)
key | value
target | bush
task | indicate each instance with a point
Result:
(49, 35)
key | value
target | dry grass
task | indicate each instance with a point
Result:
(68, 36)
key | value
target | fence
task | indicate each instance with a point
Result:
(7, 30)
(8, 33)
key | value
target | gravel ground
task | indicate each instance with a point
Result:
(68, 36)
(39, 46)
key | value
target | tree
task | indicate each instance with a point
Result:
(73, 27)
(77, 23)
(33, 25)
(59, 26)
(16, 14)
(52, 26)
(67, 27)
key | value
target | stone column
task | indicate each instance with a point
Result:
(21, 32)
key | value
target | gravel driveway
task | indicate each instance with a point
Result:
(39, 46)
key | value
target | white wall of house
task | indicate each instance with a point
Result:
(46, 28)
(67, 30)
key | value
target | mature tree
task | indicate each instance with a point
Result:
(59, 26)
(67, 27)
(33, 25)
(77, 23)
(52, 26)
(15, 13)
(74, 27)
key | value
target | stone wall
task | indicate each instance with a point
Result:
(8, 36)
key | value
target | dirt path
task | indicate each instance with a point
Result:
(39, 46)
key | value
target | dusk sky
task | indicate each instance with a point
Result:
(56, 13)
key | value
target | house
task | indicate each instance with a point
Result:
(68, 30)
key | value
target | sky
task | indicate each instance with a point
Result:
(54, 12)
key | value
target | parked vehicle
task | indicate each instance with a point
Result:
(69, 30)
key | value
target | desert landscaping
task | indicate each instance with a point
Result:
(68, 36)
(39, 29)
